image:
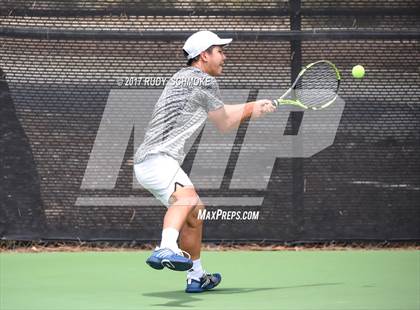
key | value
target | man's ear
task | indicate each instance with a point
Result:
(204, 56)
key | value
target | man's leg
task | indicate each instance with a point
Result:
(182, 202)
(191, 233)
(190, 241)
(184, 210)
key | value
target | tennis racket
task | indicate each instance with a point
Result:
(316, 87)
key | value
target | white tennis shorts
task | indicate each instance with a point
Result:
(160, 174)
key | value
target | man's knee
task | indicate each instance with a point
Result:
(185, 196)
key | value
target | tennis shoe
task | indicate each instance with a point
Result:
(168, 258)
(206, 282)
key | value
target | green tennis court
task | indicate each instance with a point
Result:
(353, 279)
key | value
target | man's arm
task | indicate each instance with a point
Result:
(230, 116)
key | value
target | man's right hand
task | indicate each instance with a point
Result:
(262, 107)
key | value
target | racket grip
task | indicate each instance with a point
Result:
(275, 102)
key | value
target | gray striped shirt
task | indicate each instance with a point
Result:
(181, 109)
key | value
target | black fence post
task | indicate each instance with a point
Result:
(296, 119)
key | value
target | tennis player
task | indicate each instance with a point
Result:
(190, 97)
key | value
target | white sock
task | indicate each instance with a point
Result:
(169, 238)
(196, 271)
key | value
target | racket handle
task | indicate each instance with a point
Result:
(275, 102)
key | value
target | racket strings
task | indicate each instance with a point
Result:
(317, 85)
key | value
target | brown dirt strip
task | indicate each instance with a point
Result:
(74, 246)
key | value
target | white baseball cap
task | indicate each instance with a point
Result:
(202, 40)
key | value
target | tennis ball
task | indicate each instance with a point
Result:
(358, 72)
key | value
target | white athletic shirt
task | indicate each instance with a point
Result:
(181, 109)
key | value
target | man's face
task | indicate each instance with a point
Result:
(215, 61)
